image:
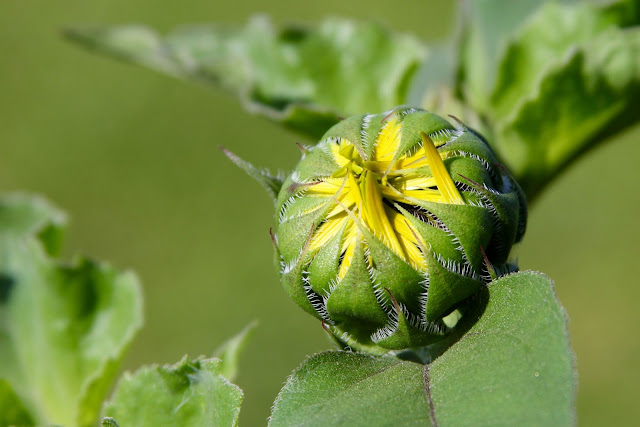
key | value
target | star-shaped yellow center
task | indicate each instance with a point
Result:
(368, 192)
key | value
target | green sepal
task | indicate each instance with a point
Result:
(465, 169)
(291, 282)
(469, 142)
(294, 233)
(473, 226)
(394, 274)
(349, 129)
(315, 164)
(301, 206)
(440, 241)
(353, 304)
(446, 289)
(507, 210)
(271, 183)
(324, 266)
(416, 122)
(407, 335)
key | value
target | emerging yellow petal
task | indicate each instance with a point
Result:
(440, 173)
(365, 192)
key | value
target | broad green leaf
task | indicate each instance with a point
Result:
(583, 98)
(551, 79)
(339, 388)
(544, 42)
(304, 78)
(512, 365)
(64, 327)
(229, 352)
(189, 393)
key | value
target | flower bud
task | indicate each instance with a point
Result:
(390, 222)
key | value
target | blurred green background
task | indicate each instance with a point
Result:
(132, 157)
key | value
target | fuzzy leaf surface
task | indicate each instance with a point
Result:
(189, 393)
(304, 78)
(64, 328)
(511, 365)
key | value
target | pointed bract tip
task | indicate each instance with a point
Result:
(472, 182)
(487, 264)
(302, 148)
(228, 153)
(393, 299)
(460, 123)
(385, 118)
(326, 328)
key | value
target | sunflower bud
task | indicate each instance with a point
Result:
(390, 222)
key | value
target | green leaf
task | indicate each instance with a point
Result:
(485, 26)
(544, 42)
(551, 79)
(12, 411)
(64, 328)
(560, 93)
(339, 388)
(109, 422)
(304, 78)
(189, 393)
(230, 351)
(512, 365)
(27, 214)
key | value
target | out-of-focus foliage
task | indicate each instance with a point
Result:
(562, 81)
(64, 327)
(546, 81)
(296, 76)
(189, 393)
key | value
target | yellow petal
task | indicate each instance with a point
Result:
(445, 184)
(388, 140)
(327, 231)
(375, 216)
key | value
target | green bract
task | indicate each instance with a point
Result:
(390, 222)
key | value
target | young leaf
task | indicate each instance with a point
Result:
(31, 215)
(64, 328)
(513, 366)
(189, 393)
(230, 351)
(300, 77)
